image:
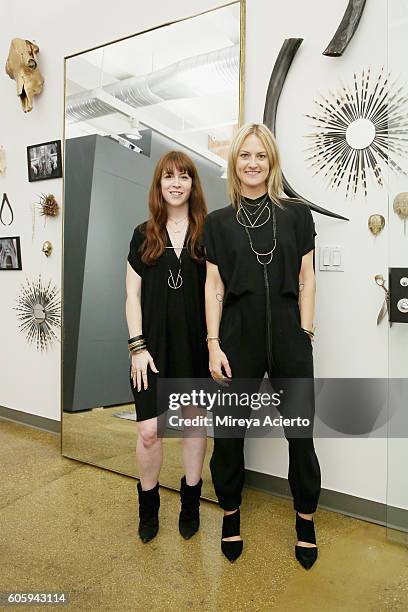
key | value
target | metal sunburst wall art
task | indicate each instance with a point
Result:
(361, 132)
(39, 312)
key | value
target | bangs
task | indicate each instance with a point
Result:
(176, 160)
(169, 169)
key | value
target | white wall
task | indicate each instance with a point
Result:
(348, 342)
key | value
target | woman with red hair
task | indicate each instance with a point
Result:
(166, 320)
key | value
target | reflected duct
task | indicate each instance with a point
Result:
(205, 74)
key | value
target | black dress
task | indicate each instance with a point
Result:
(261, 333)
(173, 320)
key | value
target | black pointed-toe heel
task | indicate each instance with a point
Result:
(231, 527)
(189, 519)
(149, 504)
(305, 533)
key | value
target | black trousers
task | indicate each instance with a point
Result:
(244, 342)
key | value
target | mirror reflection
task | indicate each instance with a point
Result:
(130, 104)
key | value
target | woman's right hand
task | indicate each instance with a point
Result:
(140, 361)
(218, 362)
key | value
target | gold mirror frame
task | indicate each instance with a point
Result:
(242, 4)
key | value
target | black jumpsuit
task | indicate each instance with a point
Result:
(173, 320)
(243, 335)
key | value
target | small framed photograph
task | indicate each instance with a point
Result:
(10, 253)
(44, 161)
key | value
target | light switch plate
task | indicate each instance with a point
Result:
(331, 258)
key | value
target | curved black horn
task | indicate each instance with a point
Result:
(346, 29)
(276, 82)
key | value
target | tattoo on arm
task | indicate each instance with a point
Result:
(220, 299)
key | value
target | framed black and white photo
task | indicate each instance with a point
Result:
(44, 161)
(10, 253)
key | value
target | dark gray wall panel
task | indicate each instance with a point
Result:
(79, 161)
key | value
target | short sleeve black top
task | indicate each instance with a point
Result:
(154, 301)
(227, 246)
(134, 257)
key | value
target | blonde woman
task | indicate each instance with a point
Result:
(260, 293)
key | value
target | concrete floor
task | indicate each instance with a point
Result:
(65, 526)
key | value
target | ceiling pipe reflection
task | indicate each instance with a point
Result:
(205, 74)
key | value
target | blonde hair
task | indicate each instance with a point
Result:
(274, 179)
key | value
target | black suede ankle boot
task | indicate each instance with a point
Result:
(189, 519)
(149, 504)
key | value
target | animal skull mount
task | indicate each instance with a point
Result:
(21, 66)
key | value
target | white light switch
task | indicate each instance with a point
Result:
(326, 256)
(331, 258)
(336, 257)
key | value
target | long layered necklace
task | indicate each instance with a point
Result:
(175, 278)
(253, 216)
(256, 218)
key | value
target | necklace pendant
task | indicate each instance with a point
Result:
(264, 263)
(175, 283)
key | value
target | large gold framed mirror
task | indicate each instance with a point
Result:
(176, 86)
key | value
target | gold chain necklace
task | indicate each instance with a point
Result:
(243, 216)
(177, 231)
(269, 253)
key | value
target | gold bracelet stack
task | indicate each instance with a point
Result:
(136, 344)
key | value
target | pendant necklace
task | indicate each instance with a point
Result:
(175, 283)
(175, 279)
(177, 231)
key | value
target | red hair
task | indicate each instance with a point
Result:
(155, 243)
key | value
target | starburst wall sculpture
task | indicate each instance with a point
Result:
(39, 312)
(361, 130)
